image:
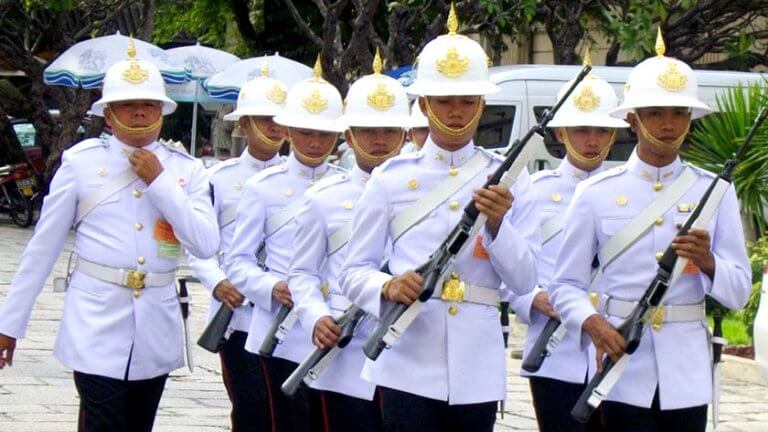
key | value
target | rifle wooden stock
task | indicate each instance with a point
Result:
(212, 338)
(270, 340)
(533, 361)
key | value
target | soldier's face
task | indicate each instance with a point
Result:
(125, 117)
(664, 123)
(310, 144)
(455, 112)
(267, 127)
(418, 135)
(377, 142)
(589, 142)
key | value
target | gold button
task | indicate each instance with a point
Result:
(102, 171)
(348, 204)
(659, 255)
(140, 260)
(453, 310)
(139, 226)
(453, 171)
(413, 184)
(658, 186)
(621, 200)
(660, 221)
(287, 192)
(556, 197)
(136, 293)
(454, 205)
(137, 193)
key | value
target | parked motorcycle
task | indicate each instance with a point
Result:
(18, 185)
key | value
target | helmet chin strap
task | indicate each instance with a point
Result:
(584, 159)
(274, 144)
(305, 158)
(128, 130)
(450, 131)
(659, 144)
(370, 157)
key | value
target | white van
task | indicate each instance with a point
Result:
(527, 90)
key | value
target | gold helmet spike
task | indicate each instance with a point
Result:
(377, 62)
(317, 70)
(264, 67)
(453, 22)
(661, 49)
(131, 48)
(587, 61)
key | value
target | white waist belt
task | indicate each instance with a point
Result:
(123, 277)
(672, 313)
(474, 294)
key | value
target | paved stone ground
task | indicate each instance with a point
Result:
(37, 393)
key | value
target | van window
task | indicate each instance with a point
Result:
(495, 126)
(25, 132)
(620, 152)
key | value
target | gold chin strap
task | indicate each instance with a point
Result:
(308, 159)
(580, 157)
(372, 158)
(275, 144)
(128, 130)
(674, 145)
(454, 132)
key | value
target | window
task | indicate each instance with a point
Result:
(495, 126)
(25, 132)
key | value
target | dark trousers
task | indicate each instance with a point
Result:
(302, 413)
(553, 401)
(246, 386)
(404, 412)
(619, 417)
(112, 405)
(342, 413)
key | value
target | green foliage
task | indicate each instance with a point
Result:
(209, 21)
(716, 138)
(734, 330)
(758, 258)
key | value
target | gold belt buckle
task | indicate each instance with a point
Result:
(135, 281)
(453, 289)
(657, 320)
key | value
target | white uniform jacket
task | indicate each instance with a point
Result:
(676, 358)
(104, 329)
(553, 190)
(266, 194)
(227, 181)
(328, 207)
(452, 351)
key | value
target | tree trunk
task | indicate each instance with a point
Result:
(10, 148)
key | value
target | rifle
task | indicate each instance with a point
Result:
(441, 260)
(312, 366)
(272, 338)
(632, 328)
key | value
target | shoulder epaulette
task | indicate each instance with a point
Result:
(491, 154)
(699, 170)
(223, 165)
(326, 183)
(176, 150)
(268, 172)
(613, 172)
(87, 144)
(403, 157)
(538, 175)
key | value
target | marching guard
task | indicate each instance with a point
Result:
(587, 131)
(260, 99)
(134, 204)
(376, 108)
(628, 216)
(447, 370)
(265, 226)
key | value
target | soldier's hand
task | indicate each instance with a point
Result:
(493, 203)
(696, 246)
(282, 294)
(541, 302)
(226, 293)
(146, 165)
(7, 347)
(605, 338)
(404, 288)
(327, 332)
